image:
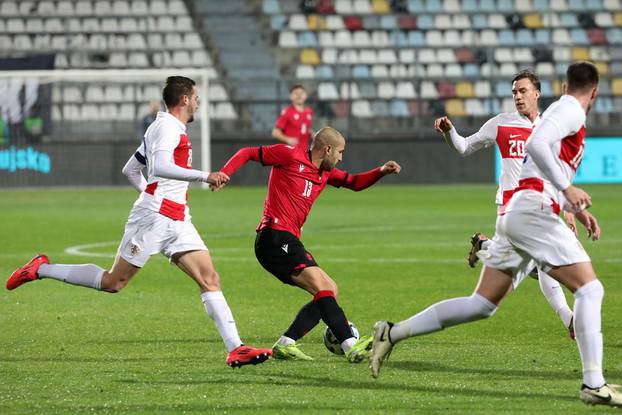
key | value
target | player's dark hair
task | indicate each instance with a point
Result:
(529, 74)
(581, 76)
(175, 88)
(296, 86)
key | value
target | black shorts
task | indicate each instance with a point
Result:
(281, 254)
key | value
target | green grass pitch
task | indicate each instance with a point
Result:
(393, 250)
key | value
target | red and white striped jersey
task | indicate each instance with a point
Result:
(166, 196)
(560, 139)
(509, 130)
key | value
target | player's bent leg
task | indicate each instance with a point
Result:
(119, 275)
(320, 285)
(554, 294)
(492, 288)
(85, 275)
(199, 266)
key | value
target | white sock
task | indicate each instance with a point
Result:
(86, 275)
(444, 314)
(486, 244)
(555, 296)
(347, 344)
(587, 326)
(218, 309)
(286, 341)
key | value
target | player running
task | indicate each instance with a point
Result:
(510, 130)
(160, 222)
(293, 126)
(529, 231)
(297, 178)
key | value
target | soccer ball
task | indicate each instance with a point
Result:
(331, 342)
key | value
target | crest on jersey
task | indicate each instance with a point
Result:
(133, 250)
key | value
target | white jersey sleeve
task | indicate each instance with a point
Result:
(164, 167)
(133, 170)
(485, 137)
(550, 131)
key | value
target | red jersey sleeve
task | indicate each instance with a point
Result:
(240, 158)
(356, 182)
(276, 154)
(283, 119)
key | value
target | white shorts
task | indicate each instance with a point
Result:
(148, 232)
(525, 239)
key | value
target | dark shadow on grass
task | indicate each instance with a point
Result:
(203, 340)
(494, 373)
(366, 383)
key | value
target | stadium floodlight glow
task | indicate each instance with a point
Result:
(125, 76)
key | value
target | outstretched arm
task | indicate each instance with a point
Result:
(165, 168)
(241, 158)
(466, 145)
(361, 181)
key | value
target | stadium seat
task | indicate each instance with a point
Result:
(543, 37)
(545, 88)
(506, 37)
(604, 19)
(482, 89)
(381, 7)
(139, 8)
(307, 40)
(497, 21)
(349, 57)
(398, 39)
(329, 56)
(387, 56)
(305, 72)
(353, 23)
(599, 54)
(326, 39)
(479, 21)
(361, 109)
(453, 70)
(614, 36)
(102, 8)
(310, 57)
(446, 89)
(433, 6)
(559, 5)
(270, 7)
(471, 70)
(533, 21)
(435, 70)
(551, 20)
(405, 89)
(425, 22)
(371, 22)
(580, 54)
(278, 22)
(360, 71)
(324, 72)
(545, 69)
(474, 107)
(523, 55)
(386, 90)
(464, 89)
(434, 38)
(616, 86)
(416, 39)
(597, 36)
(603, 67)
(380, 39)
(427, 56)
(298, 22)
(488, 37)
(158, 7)
(464, 55)
(443, 21)
(612, 4)
(561, 37)
(455, 107)
(416, 6)
(508, 70)
(407, 22)
(428, 90)
(445, 56)
(9, 8)
(380, 109)
(504, 6)
(316, 22)
(379, 71)
(398, 71)
(334, 22)
(399, 108)
(327, 91)
(470, 6)
(349, 90)
(541, 5)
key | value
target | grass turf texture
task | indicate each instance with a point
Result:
(392, 250)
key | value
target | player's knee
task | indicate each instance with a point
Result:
(113, 284)
(210, 281)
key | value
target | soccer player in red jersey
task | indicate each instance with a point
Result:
(293, 126)
(297, 178)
